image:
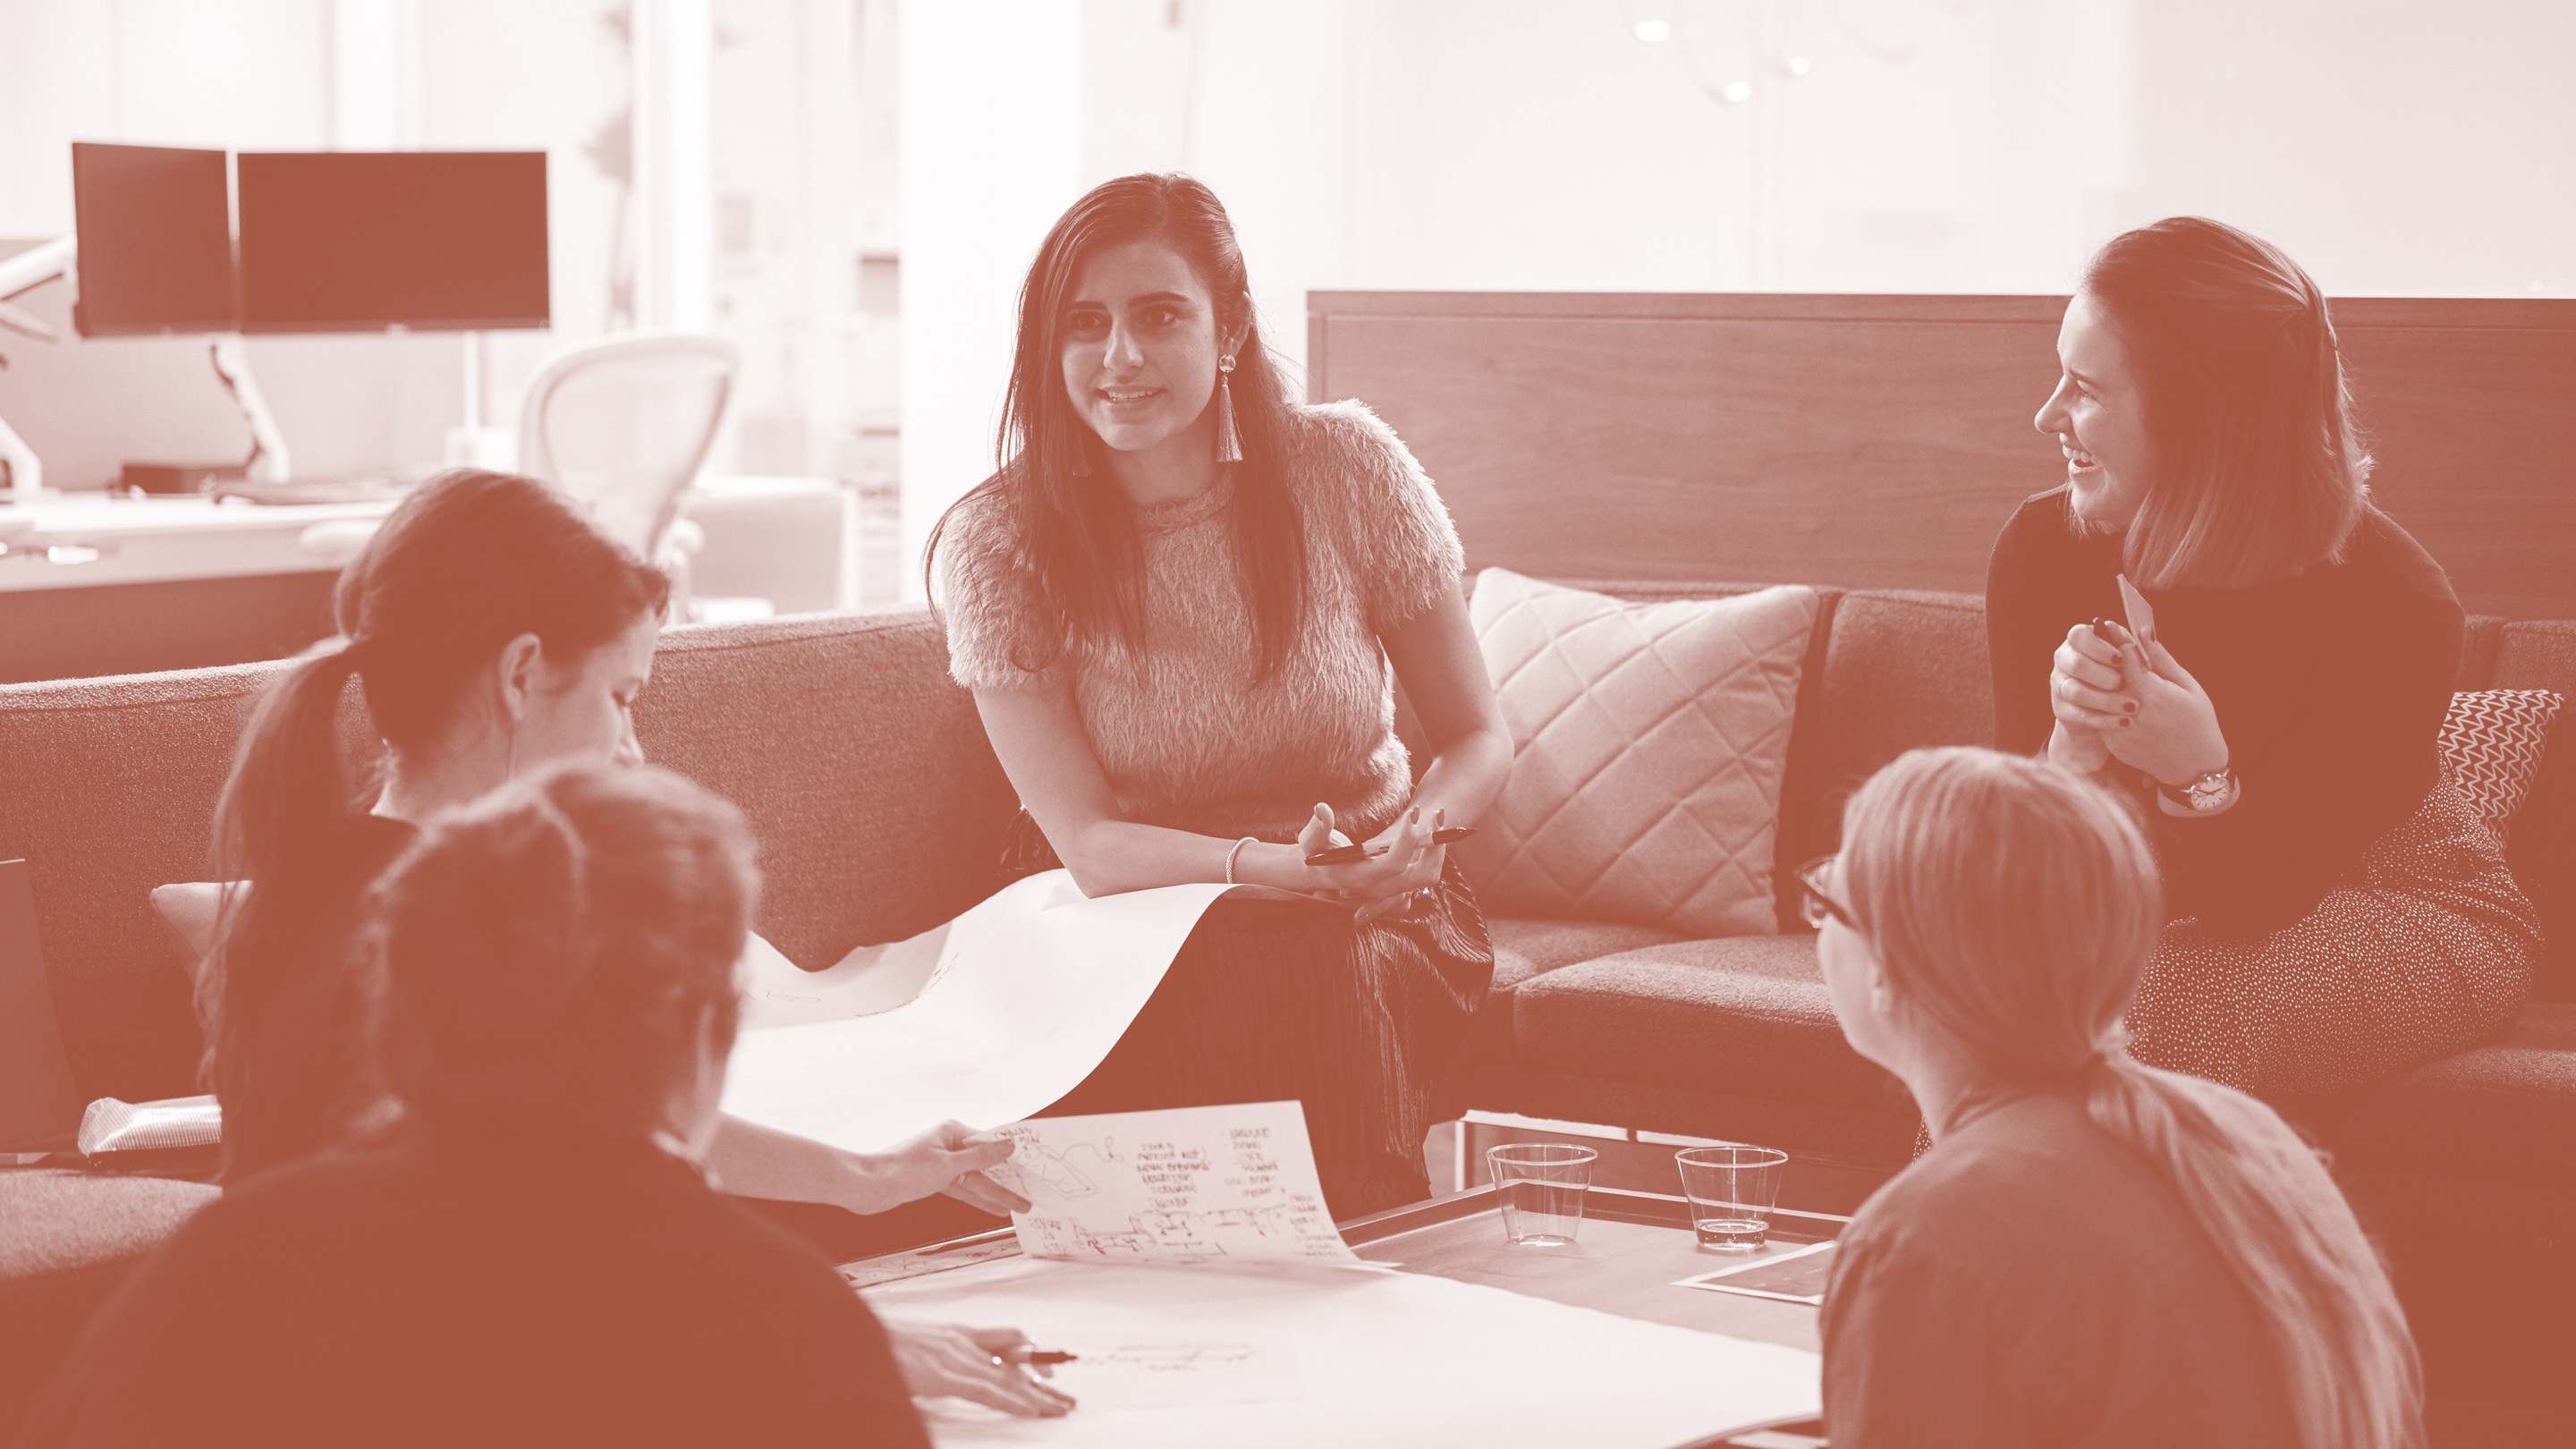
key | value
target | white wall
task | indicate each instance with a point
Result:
(990, 155)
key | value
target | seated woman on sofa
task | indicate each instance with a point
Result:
(493, 631)
(1176, 603)
(2093, 1252)
(534, 1256)
(2342, 913)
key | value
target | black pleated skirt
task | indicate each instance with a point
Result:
(1363, 1024)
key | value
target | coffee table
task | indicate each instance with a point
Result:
(1631, 1250)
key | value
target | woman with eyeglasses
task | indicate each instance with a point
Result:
(2340, 910)
(2093, 1252)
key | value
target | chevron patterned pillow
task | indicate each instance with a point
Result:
(2492, 742)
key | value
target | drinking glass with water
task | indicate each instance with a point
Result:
(1541, 1187)
(1732, 1190)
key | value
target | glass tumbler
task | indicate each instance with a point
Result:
(1732, 1190)
(1541, 1185)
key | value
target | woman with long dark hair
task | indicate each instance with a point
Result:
(535, 1256)
(493, 631)
(2341, 913)
(1177, 602)
(2093, 1252)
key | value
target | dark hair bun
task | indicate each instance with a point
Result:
(562, 945)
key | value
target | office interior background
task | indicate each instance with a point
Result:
(850, 190)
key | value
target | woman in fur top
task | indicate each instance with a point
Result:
(1177, 603)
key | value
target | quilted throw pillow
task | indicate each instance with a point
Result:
(1648, 745)
(2492, 742)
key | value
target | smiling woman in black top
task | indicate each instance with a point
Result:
(534, 1254)
(2340, 911)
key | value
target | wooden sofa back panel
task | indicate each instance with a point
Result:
(1881, 441)
(879, 806)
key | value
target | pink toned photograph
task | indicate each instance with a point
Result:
(1642, 724)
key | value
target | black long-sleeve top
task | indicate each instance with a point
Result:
(500, 1286)
(2330, 687)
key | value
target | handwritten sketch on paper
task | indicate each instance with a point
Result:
(1232, 1369)
(986, 1019)
(1186, 1185)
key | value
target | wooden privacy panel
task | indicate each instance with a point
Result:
(1880, 442)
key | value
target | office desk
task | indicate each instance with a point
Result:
(97, 585)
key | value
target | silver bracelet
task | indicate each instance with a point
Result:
(1231, 854)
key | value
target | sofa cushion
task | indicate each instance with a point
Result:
(1649, 743)
(1901, 669)
(67, 1239)
(1524, 948)
(2505, 1110)
(107, 788)
(1746, 1015)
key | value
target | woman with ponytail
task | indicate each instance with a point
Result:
(534, 1256)
(2341, 913)
(2093, 1252)
(491, 630)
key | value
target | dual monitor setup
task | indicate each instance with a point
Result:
(184, 241)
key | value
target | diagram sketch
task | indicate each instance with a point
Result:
(1158, 1374)
(1191, 1185)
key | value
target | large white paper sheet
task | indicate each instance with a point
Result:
(1228, 1186)
(986, 1019)
(1383, 1358)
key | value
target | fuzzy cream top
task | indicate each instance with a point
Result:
(1187, 738)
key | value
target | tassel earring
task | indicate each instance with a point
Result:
(1229, 444)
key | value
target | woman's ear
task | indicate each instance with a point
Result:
(1233, 332)
(516, 672)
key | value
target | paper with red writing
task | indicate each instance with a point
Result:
(1185, 1186)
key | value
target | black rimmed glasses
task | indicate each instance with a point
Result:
(1816, 905)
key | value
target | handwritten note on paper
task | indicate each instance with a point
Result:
(1187, 1185)
(1223, 1369)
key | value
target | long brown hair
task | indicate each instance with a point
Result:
(2016, 905)
(2260, 470)
(468, 562)
(1076, 541)
(559, 946)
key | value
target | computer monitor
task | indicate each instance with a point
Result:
(351, 241)
(156, 240)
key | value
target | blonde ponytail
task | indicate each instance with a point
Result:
(2016, 906)
(2285, 1231)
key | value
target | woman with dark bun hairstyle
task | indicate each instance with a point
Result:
(535, 1255)
(1183, 602)
(2093, 1253)
(2340, 911)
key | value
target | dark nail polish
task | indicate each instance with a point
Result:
(2125, 721)
(2129, 706)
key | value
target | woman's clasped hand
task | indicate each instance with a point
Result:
(2116, 698)
(1403, 859)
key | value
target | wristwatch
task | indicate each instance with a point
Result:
(2202, 794)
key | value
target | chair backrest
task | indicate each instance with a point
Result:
(622, 425)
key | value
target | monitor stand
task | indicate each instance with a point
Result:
(267, 462)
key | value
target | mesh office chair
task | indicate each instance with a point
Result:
(621, 427)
